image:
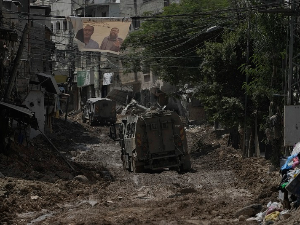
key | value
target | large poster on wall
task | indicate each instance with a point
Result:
(104, 34)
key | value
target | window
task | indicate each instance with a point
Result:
(65, 25)
(57, 26)
(146, 77)
(164, 125)
(146, 72)
(44, 66)
(166, 3)
(146, 68)
(136, 23)
(52, 27)
(153, 126)
(88, 58)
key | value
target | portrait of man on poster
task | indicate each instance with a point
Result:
(84, 35)
(112, 42)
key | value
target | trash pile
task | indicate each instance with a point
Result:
(290, 182)
(290, 170)
(289, 191)
(274, 212)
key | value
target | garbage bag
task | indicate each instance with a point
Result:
(296, 149)
(272, 216)
(289, 162)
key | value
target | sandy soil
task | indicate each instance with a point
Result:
(81, 181)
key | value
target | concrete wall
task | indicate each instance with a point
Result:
(39, 55)
(61, 8)
(114, 10)
(128, 8)
(62, 36)
(154, 6)
(35, 102)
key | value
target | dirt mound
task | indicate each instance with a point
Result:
(76, 171)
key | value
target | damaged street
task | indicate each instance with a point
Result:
(163, 112)
(84, 182)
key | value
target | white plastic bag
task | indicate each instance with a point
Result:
(296, 149)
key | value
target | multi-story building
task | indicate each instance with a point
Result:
(27, 64)
(131, 8)
(37, 48)
(67, 60)
(41, 46)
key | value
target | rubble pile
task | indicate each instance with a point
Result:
(223, 186)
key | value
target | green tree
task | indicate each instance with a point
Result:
(221, 88)
(266, 72)
(233, 55)
(169, 42)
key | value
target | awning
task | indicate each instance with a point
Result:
(61, 78)
(48, 82)
(20, 113)
(17, 108)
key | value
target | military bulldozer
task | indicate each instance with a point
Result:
(99, 111)
(153, 140)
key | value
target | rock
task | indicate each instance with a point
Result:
(106, 175)
(3, 193)
(92, 202)
(242, 218)
(249, 211)
(284, 216)
(82, 178)
(35, 197)
(187, 190)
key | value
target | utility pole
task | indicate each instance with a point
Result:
(71, 70)
(245, 135)
(1, 14)
(291, 55)
(84, 8)
(1, 59)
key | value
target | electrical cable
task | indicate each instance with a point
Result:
(68, 36)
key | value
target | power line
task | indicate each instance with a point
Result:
(157, 43)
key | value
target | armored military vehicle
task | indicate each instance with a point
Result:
(99, 110)
(153, 139)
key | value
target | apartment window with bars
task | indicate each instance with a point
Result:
(166, 3)
(136, 23)
(65, 25)
(146, 72)
(57, 26)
